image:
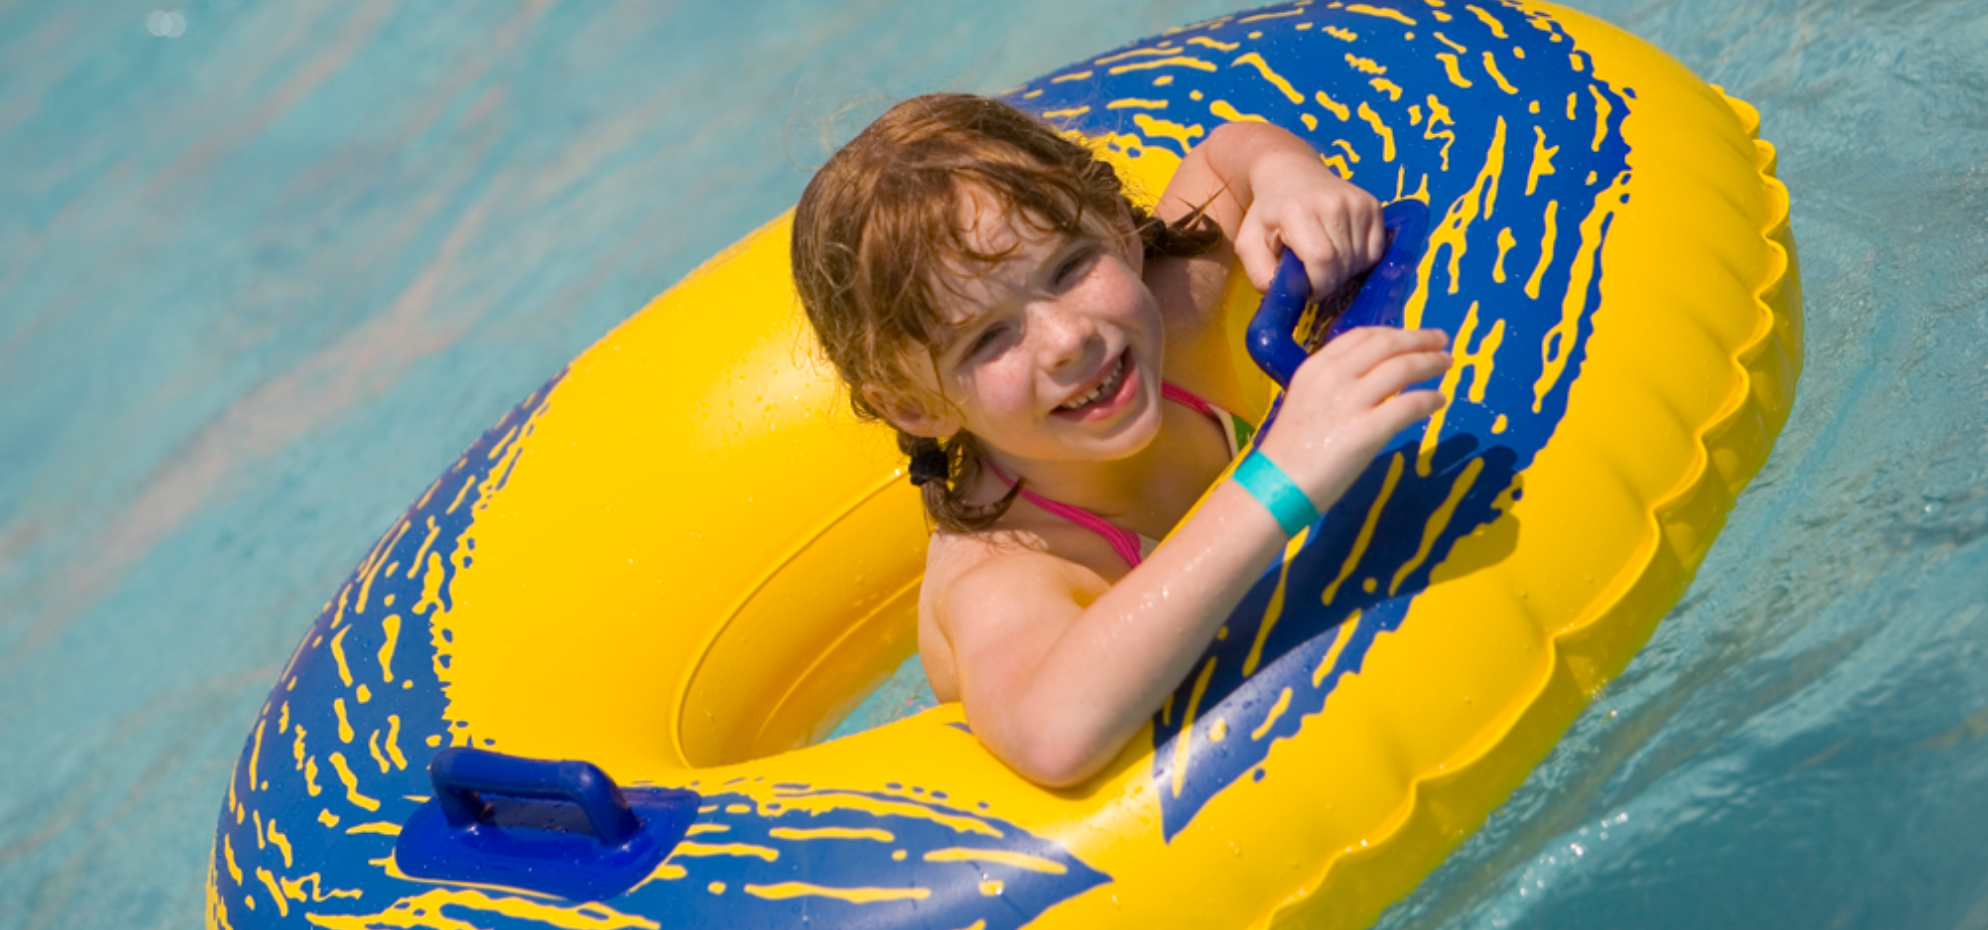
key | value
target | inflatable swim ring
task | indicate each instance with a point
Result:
(625, 571)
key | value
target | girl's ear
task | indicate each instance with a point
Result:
(911, 414)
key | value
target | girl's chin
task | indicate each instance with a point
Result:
(1126, 438)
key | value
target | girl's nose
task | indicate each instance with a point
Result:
(1066, 336)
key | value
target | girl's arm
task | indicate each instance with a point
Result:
(1057, 671)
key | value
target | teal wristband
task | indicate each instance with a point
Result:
(1276, 492)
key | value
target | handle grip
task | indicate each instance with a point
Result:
(461, 776)
(1272, 338)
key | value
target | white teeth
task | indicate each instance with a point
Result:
(1107, 386)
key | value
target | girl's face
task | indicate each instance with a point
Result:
(1054, 353)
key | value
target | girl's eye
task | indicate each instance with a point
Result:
(981, 342)
(1074, 266)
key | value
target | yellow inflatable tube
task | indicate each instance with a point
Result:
(683, 561)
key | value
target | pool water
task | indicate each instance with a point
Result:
(266, 268)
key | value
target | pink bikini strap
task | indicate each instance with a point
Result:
(1183, 396)
(1122, 541)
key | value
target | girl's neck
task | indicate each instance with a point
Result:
(1147, 492)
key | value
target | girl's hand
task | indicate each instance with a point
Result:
(1346, 401)
(1269, 191)
(1300, 204)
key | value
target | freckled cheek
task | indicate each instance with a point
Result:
(1129, 303)
(1003, 393)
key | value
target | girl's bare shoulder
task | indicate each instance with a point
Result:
(1003, 553)
(970, 576)
(978, 585)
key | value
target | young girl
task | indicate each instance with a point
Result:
(1055, 362)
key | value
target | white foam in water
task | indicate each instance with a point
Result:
(265, 269)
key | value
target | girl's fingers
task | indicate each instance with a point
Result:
(1376, 236)
(1299, 240)
(1349, 342)
(1405, 409)
(1394, 375)
(1344, 251)
(1313, 243)
(1358, 351)
(1376, 365)
(1325, 239)
(1258, 250)
(1328, 232)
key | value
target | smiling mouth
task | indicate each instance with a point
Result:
(1105, 389)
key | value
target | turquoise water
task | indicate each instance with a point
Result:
(266, 268)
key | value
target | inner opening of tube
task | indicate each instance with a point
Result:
(767, 687)
(834, 623)
(905, 693)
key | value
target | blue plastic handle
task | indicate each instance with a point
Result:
(556, 827)
(461, 775)
(1272, 336)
